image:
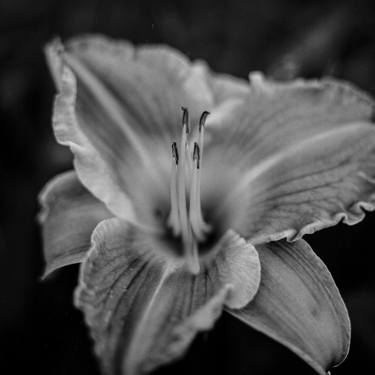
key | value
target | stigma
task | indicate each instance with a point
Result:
(185, 217)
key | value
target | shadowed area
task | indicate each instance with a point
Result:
(40, 330)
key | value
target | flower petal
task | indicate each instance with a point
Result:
(89, 164)
(144, 310)
(152, 82)
(69, 215)
(299, 305)
(117, 107)
(305, 158)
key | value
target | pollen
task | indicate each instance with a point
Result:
(185, 218)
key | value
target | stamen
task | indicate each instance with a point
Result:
(173, 219)
(185, 119)
(175, 152)
(202, 120)
(196, 154)
(193, 208)
(193, 258)
(181, 186)
(198, 225)
(187, 235)
(200, 220)
(188, 223)
(186, 126)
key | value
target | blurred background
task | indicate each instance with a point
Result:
(40, 331)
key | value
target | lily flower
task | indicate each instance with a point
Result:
(177, 214)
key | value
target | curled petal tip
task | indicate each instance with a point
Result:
(315, 326)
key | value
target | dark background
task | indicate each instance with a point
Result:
(40, 331)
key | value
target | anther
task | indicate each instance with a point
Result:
(196, 154)
(175, 152)
(185, 119)
(202, 120)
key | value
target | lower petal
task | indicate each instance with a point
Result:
(299, 305)
(70, 214)
(143, 309)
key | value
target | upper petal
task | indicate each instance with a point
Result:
(152, 82)
(299, 305)
(144, 310)
(118, 105)
(91, 167)
(69, 215)
(304, 157)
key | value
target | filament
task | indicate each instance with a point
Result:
(201, 223)
(173, 220)
(181, 179)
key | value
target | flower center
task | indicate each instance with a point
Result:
(185, 218)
